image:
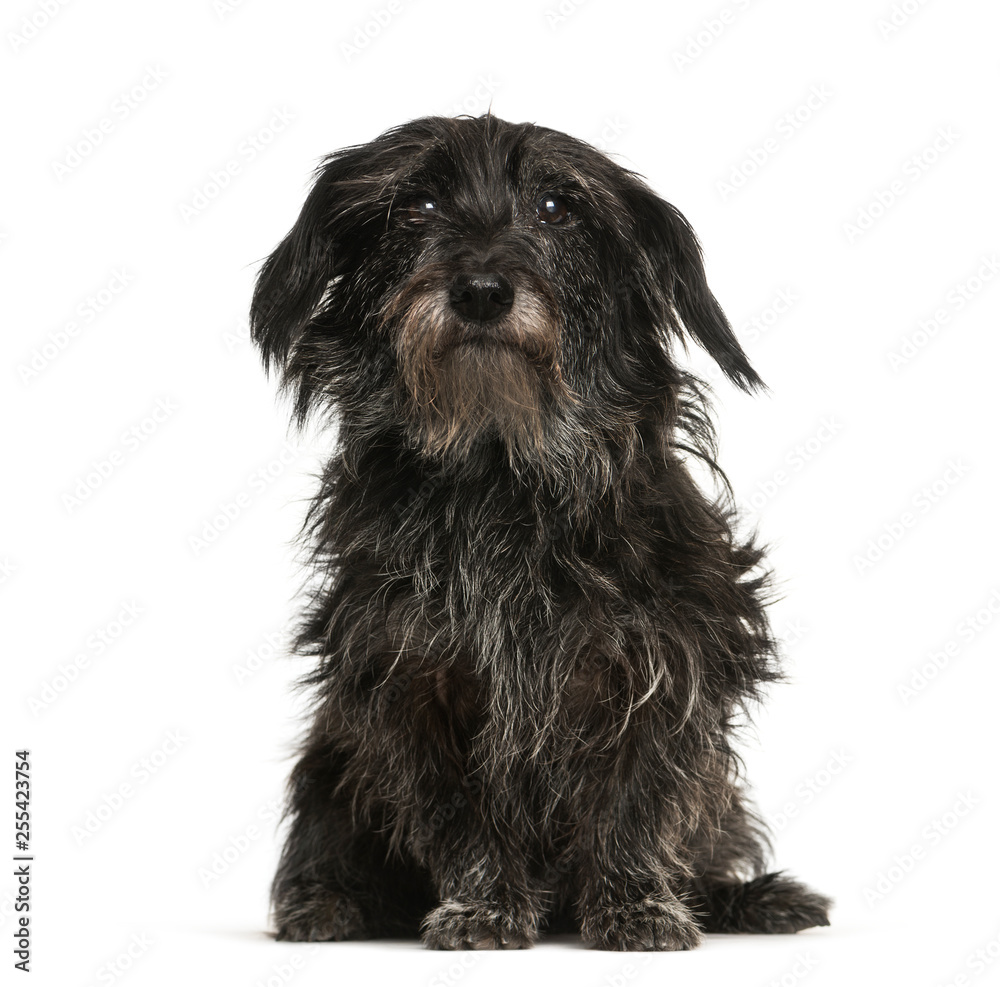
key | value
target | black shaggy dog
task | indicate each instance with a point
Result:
(533, 631)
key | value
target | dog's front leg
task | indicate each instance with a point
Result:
(487, 901)
(627, 880)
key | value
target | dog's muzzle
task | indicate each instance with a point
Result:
(504, 382)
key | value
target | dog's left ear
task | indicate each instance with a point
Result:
(676, 256)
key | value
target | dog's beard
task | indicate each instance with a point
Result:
(464, 381)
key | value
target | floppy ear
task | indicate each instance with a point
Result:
(291, 283)
(676, 255)
(294, 278)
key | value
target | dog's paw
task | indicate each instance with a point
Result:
(651, 924)
(474, 925)
(318, 915)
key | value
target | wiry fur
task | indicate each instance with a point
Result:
(533, 632)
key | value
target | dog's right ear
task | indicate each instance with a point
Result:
(294, 278)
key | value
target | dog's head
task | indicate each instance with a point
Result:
(466, 280)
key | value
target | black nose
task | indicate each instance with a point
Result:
(481, 297)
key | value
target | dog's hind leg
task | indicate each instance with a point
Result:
(336, 881)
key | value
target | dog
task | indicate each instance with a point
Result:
(533, 634)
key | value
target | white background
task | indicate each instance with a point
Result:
(824, 117)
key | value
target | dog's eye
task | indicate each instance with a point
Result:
(420, 208)
(552, 209)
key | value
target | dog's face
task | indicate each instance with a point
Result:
(468, 280)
